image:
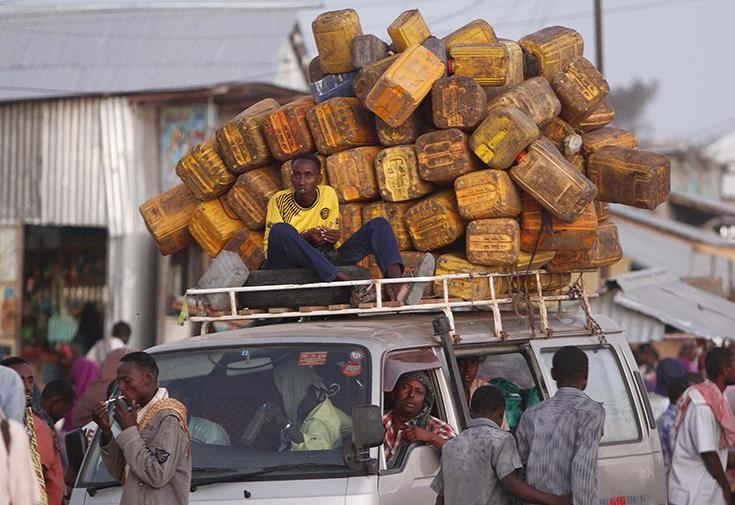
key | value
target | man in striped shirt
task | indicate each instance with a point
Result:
(558, 438)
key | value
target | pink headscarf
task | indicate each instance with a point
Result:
(96, 391)
(83, 372)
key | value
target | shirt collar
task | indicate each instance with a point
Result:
(569, 392)
(482, 421)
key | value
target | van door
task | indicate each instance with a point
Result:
(408, 481)
(630, 467)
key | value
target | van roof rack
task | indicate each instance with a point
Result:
(534, 298)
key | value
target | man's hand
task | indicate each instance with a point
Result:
(125, 418)
(330, 235)
(314, 236)
(416, 434)
(101, 417)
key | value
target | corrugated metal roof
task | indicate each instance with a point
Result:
(641, 240)
(660, 295)
(96, 49)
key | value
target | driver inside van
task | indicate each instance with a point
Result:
(410, 420)
(309, 419)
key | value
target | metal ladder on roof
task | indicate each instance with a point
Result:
(444, 303)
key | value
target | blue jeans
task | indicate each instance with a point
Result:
(288, 249)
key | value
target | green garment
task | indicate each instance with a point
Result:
(517, 400)
(324, 428)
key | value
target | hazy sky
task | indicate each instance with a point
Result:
(687, 45)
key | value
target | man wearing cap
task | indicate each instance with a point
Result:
(411, 420)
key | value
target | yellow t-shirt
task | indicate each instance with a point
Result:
(283, 208)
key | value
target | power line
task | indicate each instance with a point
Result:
(612, 10)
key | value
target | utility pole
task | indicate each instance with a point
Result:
(598, 34)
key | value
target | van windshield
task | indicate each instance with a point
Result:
(270, 410)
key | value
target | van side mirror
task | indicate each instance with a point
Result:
(367, 426)
(76, 448)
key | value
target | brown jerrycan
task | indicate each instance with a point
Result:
(333, 34)
(534, 97)
(595, 140)
(530, 261)
(241, 141)
(204, 172)
(167, 218)
(394, 213)
(213, 224)
(402, 87)
(548, 50)
(487, 194)
(367, 49)
(505, 132)
(556, 131)
(486, 63)
(315, 70)
(555, 183)
(601, 116)
(458, 102)
(567, 141)
(550, 282)
(352, 175)
(248, 197)
(350, 219)
(434, 222)
(286, 172)
(444, 155)
(514, 74)
(467, 289)
(543, 232)
(409, 28)
(369, 75)
(603, 210)
(439, 49)
(605, 251)
(478, 31)
(398, 176)
(287, 131)
(637, 178)
(341, 123)
(406, 133)
(249, 245)
(493, 242)
(580, 88)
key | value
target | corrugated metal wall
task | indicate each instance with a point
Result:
(20, 162)
(87, 162)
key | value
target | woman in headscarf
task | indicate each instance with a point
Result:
(313, 423)
(97, 391)
(82, 373)
(411, 420)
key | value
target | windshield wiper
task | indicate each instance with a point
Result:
(92, 490)
(243, 476)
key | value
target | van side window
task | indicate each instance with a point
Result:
(510, 373)
(607, 386)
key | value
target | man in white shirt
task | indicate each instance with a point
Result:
(706, 430)
(119, 339)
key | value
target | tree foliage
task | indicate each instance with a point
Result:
(630, 102)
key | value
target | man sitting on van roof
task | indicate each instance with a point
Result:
(302, 231)
(411, 420)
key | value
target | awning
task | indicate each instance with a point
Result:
(656, 294)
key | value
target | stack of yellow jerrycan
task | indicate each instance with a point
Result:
(496, 155)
